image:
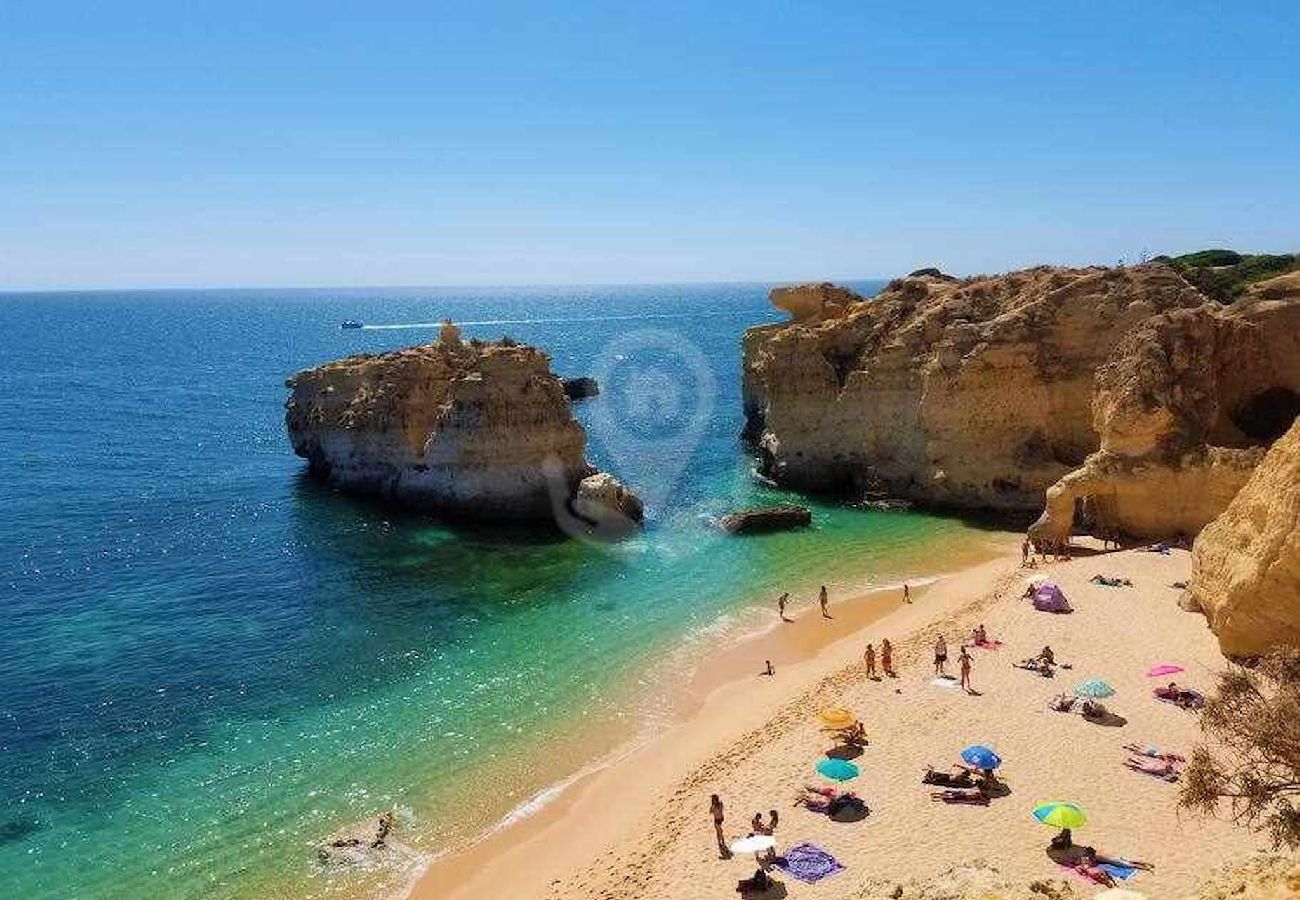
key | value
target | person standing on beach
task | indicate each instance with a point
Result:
(965, 669)
(823, 601)
(1024, 551)
(780, 606)
(907, 593)
(941, 657)
(869, 657)
(715, 807)
(769, 670)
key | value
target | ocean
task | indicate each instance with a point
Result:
(210, 662)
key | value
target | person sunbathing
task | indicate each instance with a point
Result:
(1179, 696)
(1093, 709)
(1061, 703)
(961, 795)
(1153, 753)
(854, 734)
(1111, 581)
(959, 777)
(1035, 665)
(1160, 768)
(1090, 857)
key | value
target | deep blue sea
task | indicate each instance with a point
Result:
(209, 661)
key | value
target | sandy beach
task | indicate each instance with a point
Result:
(640, 826)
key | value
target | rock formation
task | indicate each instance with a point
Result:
(359, 842)
(607, 505)
(810, 302)
(479, 429)
(1246, 563)
(969, 393)
(580, 388)
(1185, 408)
(766, 518)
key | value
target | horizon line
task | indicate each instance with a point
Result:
(441, 287)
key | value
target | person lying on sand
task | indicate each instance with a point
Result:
(1160, 768)
(1182, 697)
(1062, 703)
(1110, 581)
(1089, 857)
(1152, 752)
(958, 777)
(960, 795)
(1093, 709)
(1035, 665)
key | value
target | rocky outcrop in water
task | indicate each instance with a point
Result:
(360, 842)
(1246, 563)
(607, 504)
(762, 519)
(480, 429)
(580, 388)
(1185, 408)
(970, 393)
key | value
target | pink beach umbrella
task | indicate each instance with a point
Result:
(1163, 669)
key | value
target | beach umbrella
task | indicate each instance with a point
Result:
(981, 757)
(755, 843)
(1059, 814)
(837, 717)
(837, 769)
(1163, 669)
(1094, 688)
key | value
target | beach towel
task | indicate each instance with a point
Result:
(1123, 873)
(944, 682)
(808, 863)
(986, 645)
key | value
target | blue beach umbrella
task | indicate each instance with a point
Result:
(981, 757)
(837, 769)
(1093, 688)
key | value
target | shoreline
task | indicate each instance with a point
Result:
(716, 684)
(636, 826)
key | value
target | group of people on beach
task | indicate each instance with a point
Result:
(823, 601)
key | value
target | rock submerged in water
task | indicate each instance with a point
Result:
(580, 388)
(764, 519)
(358, 843)
(479, 429)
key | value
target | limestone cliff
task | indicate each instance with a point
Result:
(481, 430)
(972, 393)
(1246, 563)
(1184, 409)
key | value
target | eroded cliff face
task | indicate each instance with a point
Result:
(1185, 408)
(1246, 563)
(972, 393)
(480, 430)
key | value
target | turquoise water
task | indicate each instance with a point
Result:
(210, 661)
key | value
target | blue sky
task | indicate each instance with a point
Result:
(205, 144)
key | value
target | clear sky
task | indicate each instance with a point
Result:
(167, 143)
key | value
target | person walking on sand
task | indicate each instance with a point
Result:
(869, 657)
(769, 670)
(907, 593)
(965, 669)
(824, 603)
(780, 606)
(941, 657)
(887, 657)
(719, 815)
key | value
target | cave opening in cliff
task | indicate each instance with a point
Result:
(1266, 416)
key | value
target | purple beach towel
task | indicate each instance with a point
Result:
(808, 863)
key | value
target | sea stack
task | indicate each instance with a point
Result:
(477, 429)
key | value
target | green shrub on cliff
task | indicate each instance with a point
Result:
(1224, 274)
